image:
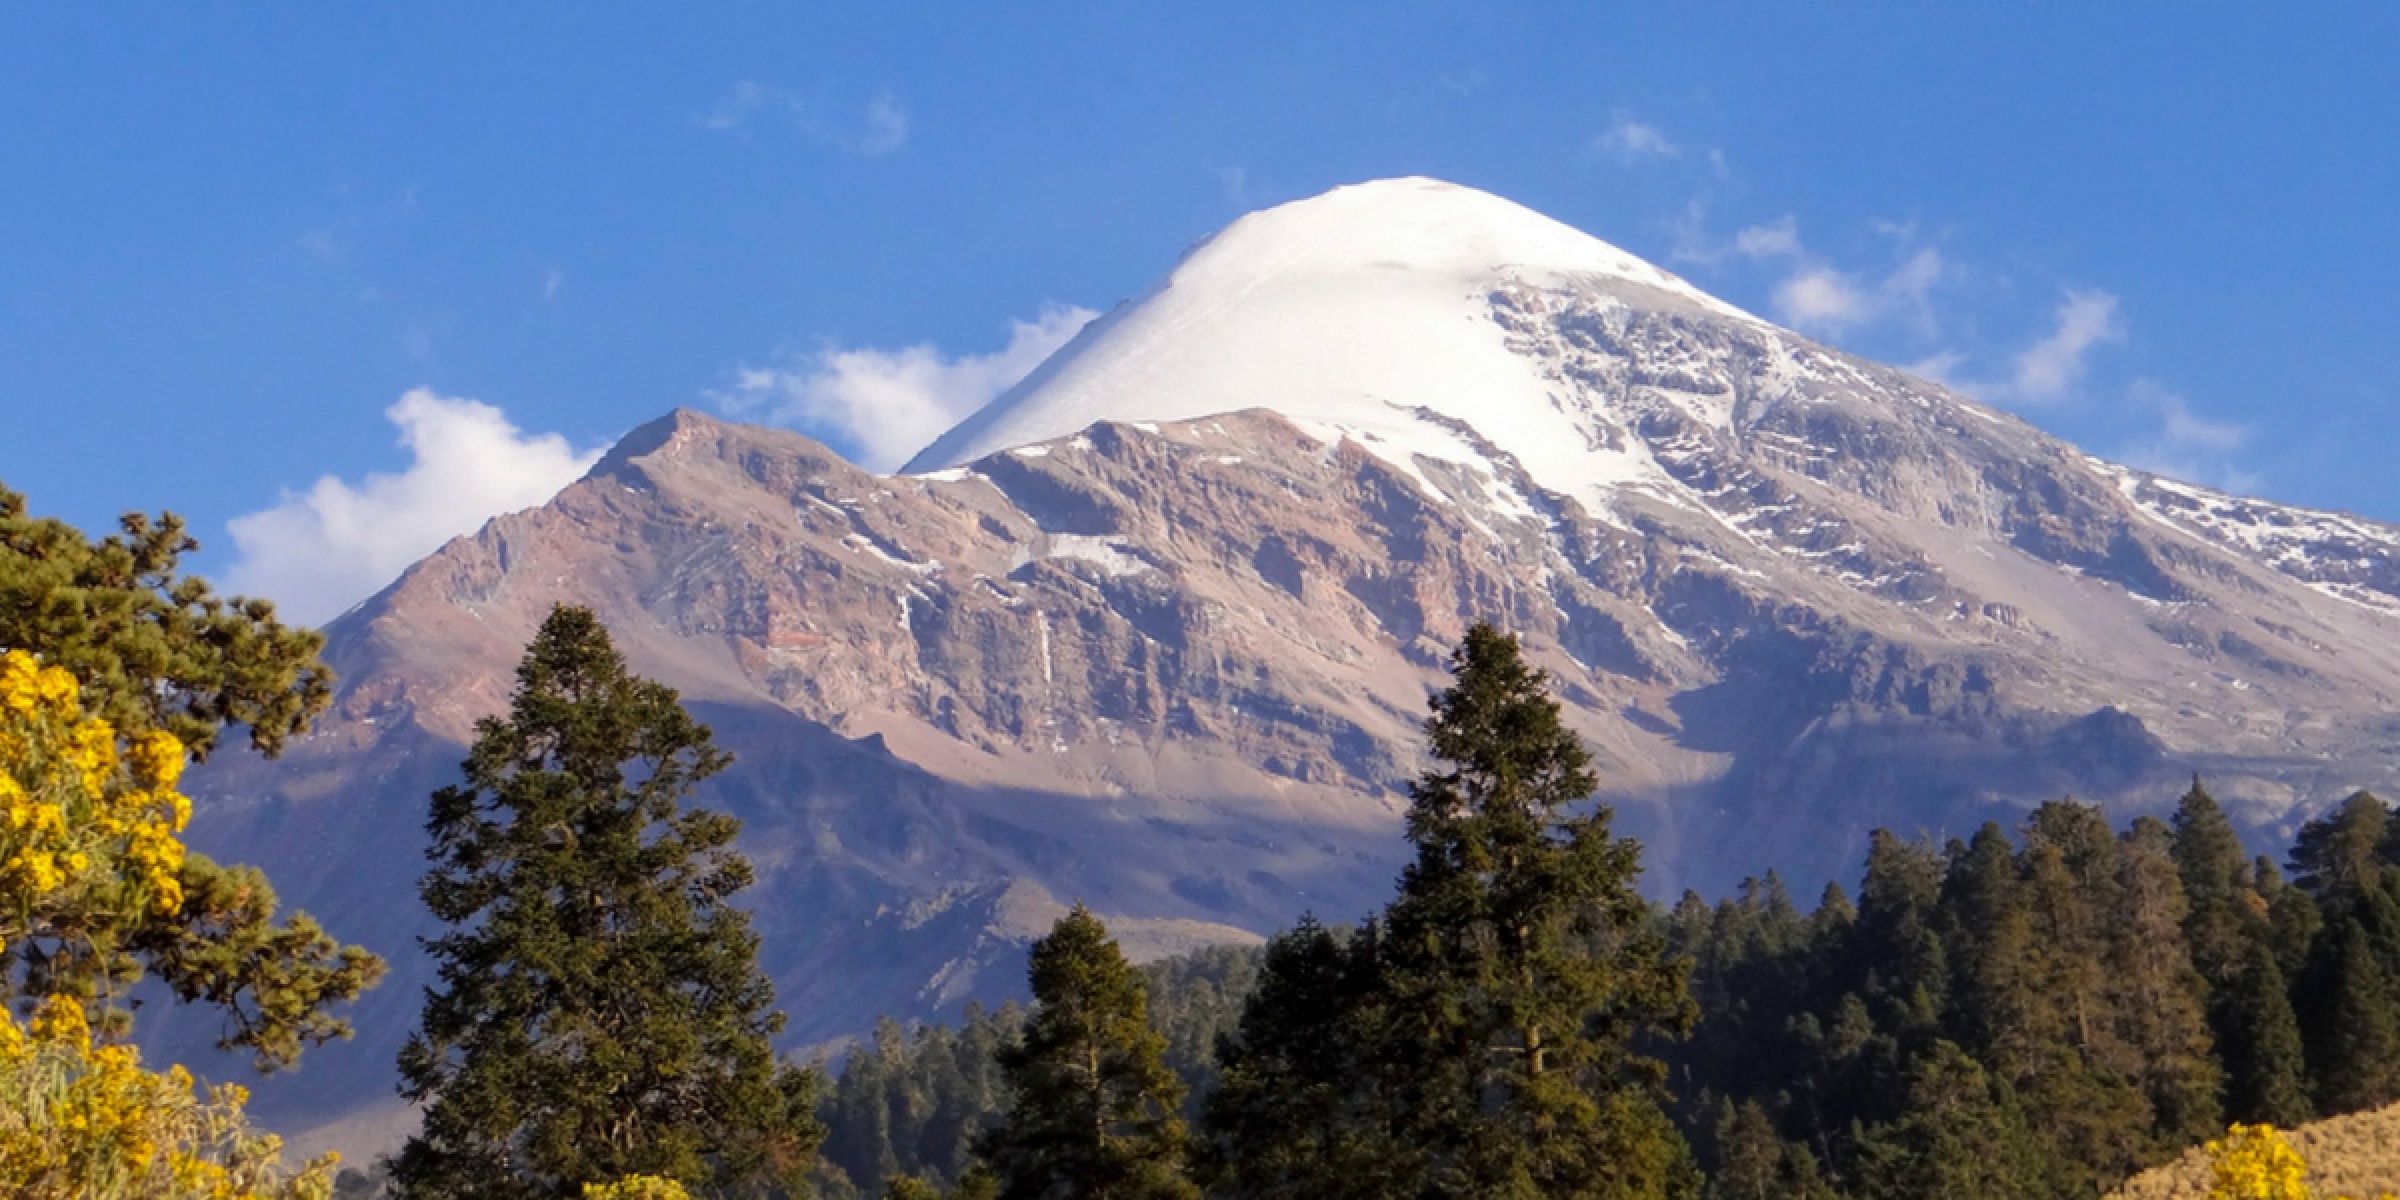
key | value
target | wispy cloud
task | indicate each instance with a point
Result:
(2049, 368)
(317, 552)
(881, 128)
(1630, 138)
(2185, 444)
(881, 406)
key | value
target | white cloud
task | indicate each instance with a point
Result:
(887, 126)
(881, 406)
(1629, 137)
(317, 552)
(1779, 238)
(2185, 444)
(881, 129)
(1822, 298)
(2049, 367)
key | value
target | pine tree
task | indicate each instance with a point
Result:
(1754, 1162)
(2265, 1065)
(1096, 1114)
(2083, 1102)
(2352, 1023)
(600, 1012)
(1524, 966)
(158, 652)
(2217, 885)
(2159, 998)
(1290, 1118)
(1959, 1136)
(2341, 853)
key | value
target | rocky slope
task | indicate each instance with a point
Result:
(1155, 630)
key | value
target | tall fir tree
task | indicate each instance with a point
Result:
(600, 1012)
(2159, 998)
(2266, 1068)
(1524, 968)
(2352, 1020)
(1293, 1116)
(2217, 885)
(1096, 1115)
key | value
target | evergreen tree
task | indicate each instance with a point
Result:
(1960, 1136)
(1756, 1163)
(2265, 1066)
(2083, 1102)
(2340, 854)
(1896, 947)
(2217, 885)
(1096, 1114)
(2159, 998)
(1290, 1118)
(155, 651)
(1523, 964)
(600, 1012)
(2352, 1023)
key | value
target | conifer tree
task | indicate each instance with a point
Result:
(2159, 997)
(1291, 1117)
(600, 1012)
(2217, 885)
(2353, 1024)
(1959, 1137)
(2083, 1102)
(2265, 1066)
(1096, 1113)
(2339, 854)
(1523, 965)
(1754, 1162)
(157, 653)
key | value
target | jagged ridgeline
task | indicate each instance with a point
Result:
(2036, 1012)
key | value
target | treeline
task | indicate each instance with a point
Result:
(2040, 1015)
(912, 1101)
(2036, 1014)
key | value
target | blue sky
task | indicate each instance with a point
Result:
(243, 248)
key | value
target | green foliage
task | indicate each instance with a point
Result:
(1095, 1114)
(1481, 1039)
(1959, 1136)
(157, 650)
(600, 1013)
(1292, 1117)
(2119, 993)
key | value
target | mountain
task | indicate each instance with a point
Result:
(1155, 630)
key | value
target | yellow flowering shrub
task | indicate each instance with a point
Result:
(81, 1120)
(636, 1187)
(89, 838)
(2256, 1162)
(90, 845)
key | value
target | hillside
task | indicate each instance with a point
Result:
(2357, 1155)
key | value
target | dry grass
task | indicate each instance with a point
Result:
(2357, 1155)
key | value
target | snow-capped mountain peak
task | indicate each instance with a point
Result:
(1360, 310)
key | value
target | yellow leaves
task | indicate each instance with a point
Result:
(636, 1187)
(89, 836)
(2256, 1162)
(79, 1119)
